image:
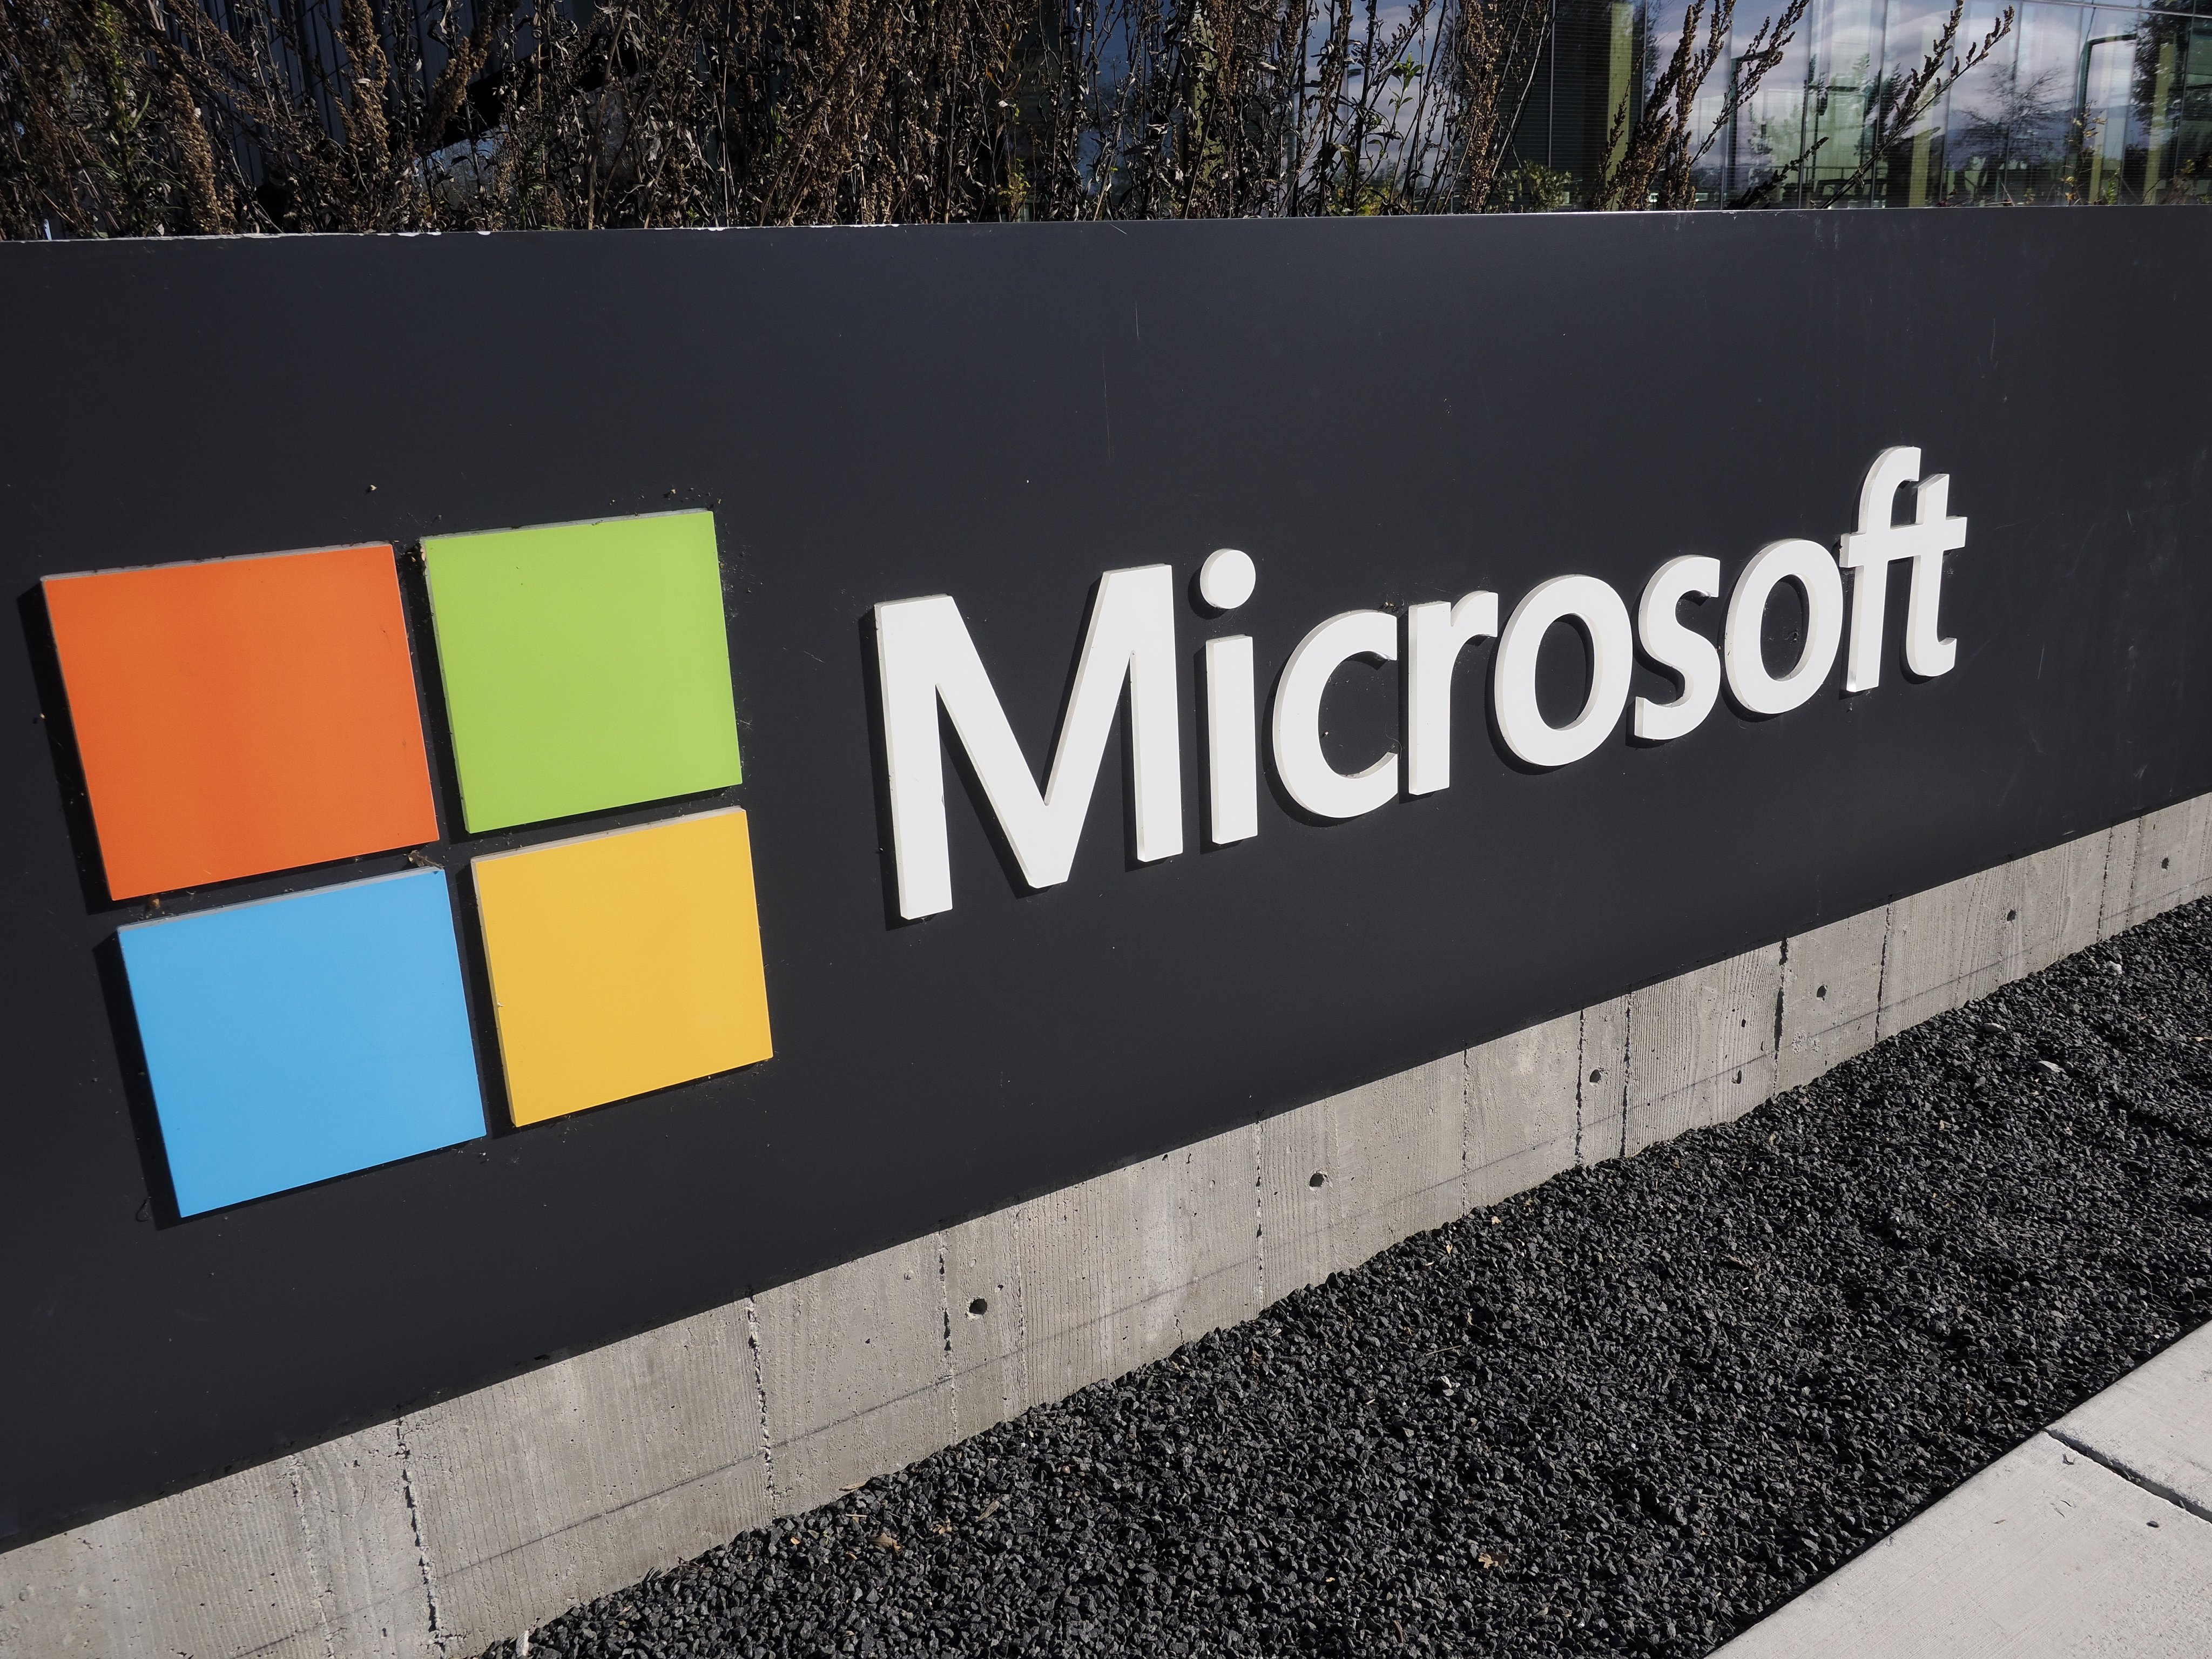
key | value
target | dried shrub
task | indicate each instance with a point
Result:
(164, 116)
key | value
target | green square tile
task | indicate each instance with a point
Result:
(586, 666)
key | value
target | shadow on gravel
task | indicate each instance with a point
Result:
(1627, 1413)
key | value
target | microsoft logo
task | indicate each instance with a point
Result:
(244, 716)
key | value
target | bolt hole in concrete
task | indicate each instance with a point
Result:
(978, 1308)
(1319, 1179)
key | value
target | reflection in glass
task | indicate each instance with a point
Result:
(2091, 104)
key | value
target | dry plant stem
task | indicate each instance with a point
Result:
(1902, 103)
(1759, 191)
(1759, 58)
(1495, 55)
(203, 200)
(368, 137)
(1657, 158)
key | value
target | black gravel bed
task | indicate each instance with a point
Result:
(1627, 1413)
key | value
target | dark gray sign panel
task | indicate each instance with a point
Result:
(1261, 905)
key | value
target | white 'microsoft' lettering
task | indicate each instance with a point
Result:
(1868, 553)
(1305, 771)
(1232, 745)
(1225, 581)
(1814, 569)
(1613, 655)
(1677, 647)
(924, 656)
(1435, 633)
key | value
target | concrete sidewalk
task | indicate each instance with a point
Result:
(2095, 1538)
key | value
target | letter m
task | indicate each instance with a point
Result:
(924, 654)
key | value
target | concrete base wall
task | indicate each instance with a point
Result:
(482, 1517)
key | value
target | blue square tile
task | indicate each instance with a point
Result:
(304, 1037)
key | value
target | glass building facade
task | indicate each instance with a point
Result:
(2082, 103)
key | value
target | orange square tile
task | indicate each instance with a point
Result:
(243, 715)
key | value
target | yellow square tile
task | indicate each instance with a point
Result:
(624, 962)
